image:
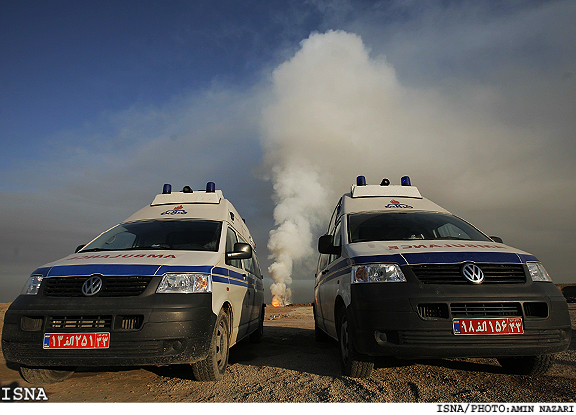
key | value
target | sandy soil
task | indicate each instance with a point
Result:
(289, 366)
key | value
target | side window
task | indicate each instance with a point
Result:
(257, 271)
(230, 241)
(334, 217)
(324, 258)
(337, 241)
(322, 262)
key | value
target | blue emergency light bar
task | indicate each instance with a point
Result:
(167, 189)
(210, 187)
(404, 181)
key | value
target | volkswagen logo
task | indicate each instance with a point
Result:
(473, 273)
(92, 285)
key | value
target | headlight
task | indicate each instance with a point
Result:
(32, 285)
(537, 272)
(185, 283)
(377, 273)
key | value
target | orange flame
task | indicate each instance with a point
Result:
(276, 302)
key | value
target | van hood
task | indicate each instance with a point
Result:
(137, 262)
(436, 252)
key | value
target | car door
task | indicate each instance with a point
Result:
(238, 285)
(328, 281)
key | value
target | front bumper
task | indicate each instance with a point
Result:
(151, 330)
(389, 319)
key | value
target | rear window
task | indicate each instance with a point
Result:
(190, 235)
(402, 226)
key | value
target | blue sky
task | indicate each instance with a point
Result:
(282, 104)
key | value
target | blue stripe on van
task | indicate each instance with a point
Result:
(392, 258)
(41, 271)
(237, 282)
(528, 257)
(206, 269)
(102, 269)
(221, 271)
(219, 278)
(458, 257)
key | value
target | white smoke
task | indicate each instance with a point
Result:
(300, 208)
(323, 98)
(338, 112)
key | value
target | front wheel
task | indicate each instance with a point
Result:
(213, 367)
(527, 365)
(354, 364)
(39, 375)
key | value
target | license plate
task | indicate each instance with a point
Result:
(504, 325)
(76, 340)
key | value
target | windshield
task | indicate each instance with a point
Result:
(401, 226)
(190, 235)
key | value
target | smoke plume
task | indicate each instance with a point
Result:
(323, 98)
(337, 112)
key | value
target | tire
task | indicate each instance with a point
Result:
(38, 375)
(213, 367)
(258, 335)
(527, 365)
(354, 364)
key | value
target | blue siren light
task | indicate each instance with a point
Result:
(360, 181)
(210, 187)
(167, 189)
(405, 181)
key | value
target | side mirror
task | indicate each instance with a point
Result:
(79, 247)
(241, 251)
(326, 246)
(497, 239)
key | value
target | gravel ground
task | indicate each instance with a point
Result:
(289, 366)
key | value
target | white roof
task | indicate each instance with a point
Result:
(392, 190)
(371, 198)
(199, 196)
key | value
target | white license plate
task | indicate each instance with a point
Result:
(483, 326)
(76, 340)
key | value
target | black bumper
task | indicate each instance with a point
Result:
(150, 330)
(388, 320)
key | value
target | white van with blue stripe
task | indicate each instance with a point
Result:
(178, 282)
(400, 276)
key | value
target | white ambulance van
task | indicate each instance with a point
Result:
(400, 276)
(178, 282)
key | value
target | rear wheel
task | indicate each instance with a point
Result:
(213, 367)
(527, 365)
(38, 375)
(354, 364)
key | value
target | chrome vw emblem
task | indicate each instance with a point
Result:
(92, 285)
(473, 273)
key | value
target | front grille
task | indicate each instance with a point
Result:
(79, 323)
(115, 286)
(486, 310)
(427, 311)
(450, 273)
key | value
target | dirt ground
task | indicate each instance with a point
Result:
(289, 366)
